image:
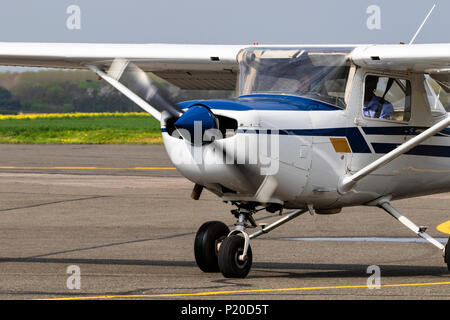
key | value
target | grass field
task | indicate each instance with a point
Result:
(77, 128)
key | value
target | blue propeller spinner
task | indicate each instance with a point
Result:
(195, 118)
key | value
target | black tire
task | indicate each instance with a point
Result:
(229, 264)
(209, 235)
(447, 254)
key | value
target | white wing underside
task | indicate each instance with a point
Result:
(186, 66)
(210, 66)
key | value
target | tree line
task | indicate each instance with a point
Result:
(57, 91)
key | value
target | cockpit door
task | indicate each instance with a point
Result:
(385, 116)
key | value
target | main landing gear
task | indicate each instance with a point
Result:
(218, 249)
(420, 231)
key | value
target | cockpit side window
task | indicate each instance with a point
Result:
(387, 98)
(438, 98)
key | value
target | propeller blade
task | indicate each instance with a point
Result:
(250, 176)
(140, 83)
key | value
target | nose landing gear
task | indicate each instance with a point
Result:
(217, 249)
(233, 263)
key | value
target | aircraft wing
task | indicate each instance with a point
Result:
(432, 59)
(212, 67)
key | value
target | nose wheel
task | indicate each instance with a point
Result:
(233, 263)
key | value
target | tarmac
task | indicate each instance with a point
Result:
(107, 222)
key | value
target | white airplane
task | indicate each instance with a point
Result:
(312, 128)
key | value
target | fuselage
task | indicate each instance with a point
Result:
(312, 156)
(307, 145)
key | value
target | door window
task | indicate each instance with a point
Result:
(387, 98)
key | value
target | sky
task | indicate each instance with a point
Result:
(224, 22)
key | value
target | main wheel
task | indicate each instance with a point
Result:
(447, 254)
(207, 242)
(229, 263)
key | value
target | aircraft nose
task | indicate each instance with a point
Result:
(195, 121)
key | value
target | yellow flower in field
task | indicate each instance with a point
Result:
(71, 115)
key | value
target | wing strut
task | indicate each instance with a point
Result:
(348, 182)
(127, 92)
(384, 203)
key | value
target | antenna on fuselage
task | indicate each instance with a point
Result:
(421, 26)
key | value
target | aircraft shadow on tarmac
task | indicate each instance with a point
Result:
(261, 269)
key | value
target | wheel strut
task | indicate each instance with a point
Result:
(235, 254)
(243, 216)
(243, 256)
(247, 216)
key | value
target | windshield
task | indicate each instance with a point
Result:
(317, 73)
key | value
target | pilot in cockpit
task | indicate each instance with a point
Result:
(374, 106)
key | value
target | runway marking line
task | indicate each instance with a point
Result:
(211, 293)
(87, 168)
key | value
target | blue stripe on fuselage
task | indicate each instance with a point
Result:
(421, 150)
(400, 131)
(356, 140)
